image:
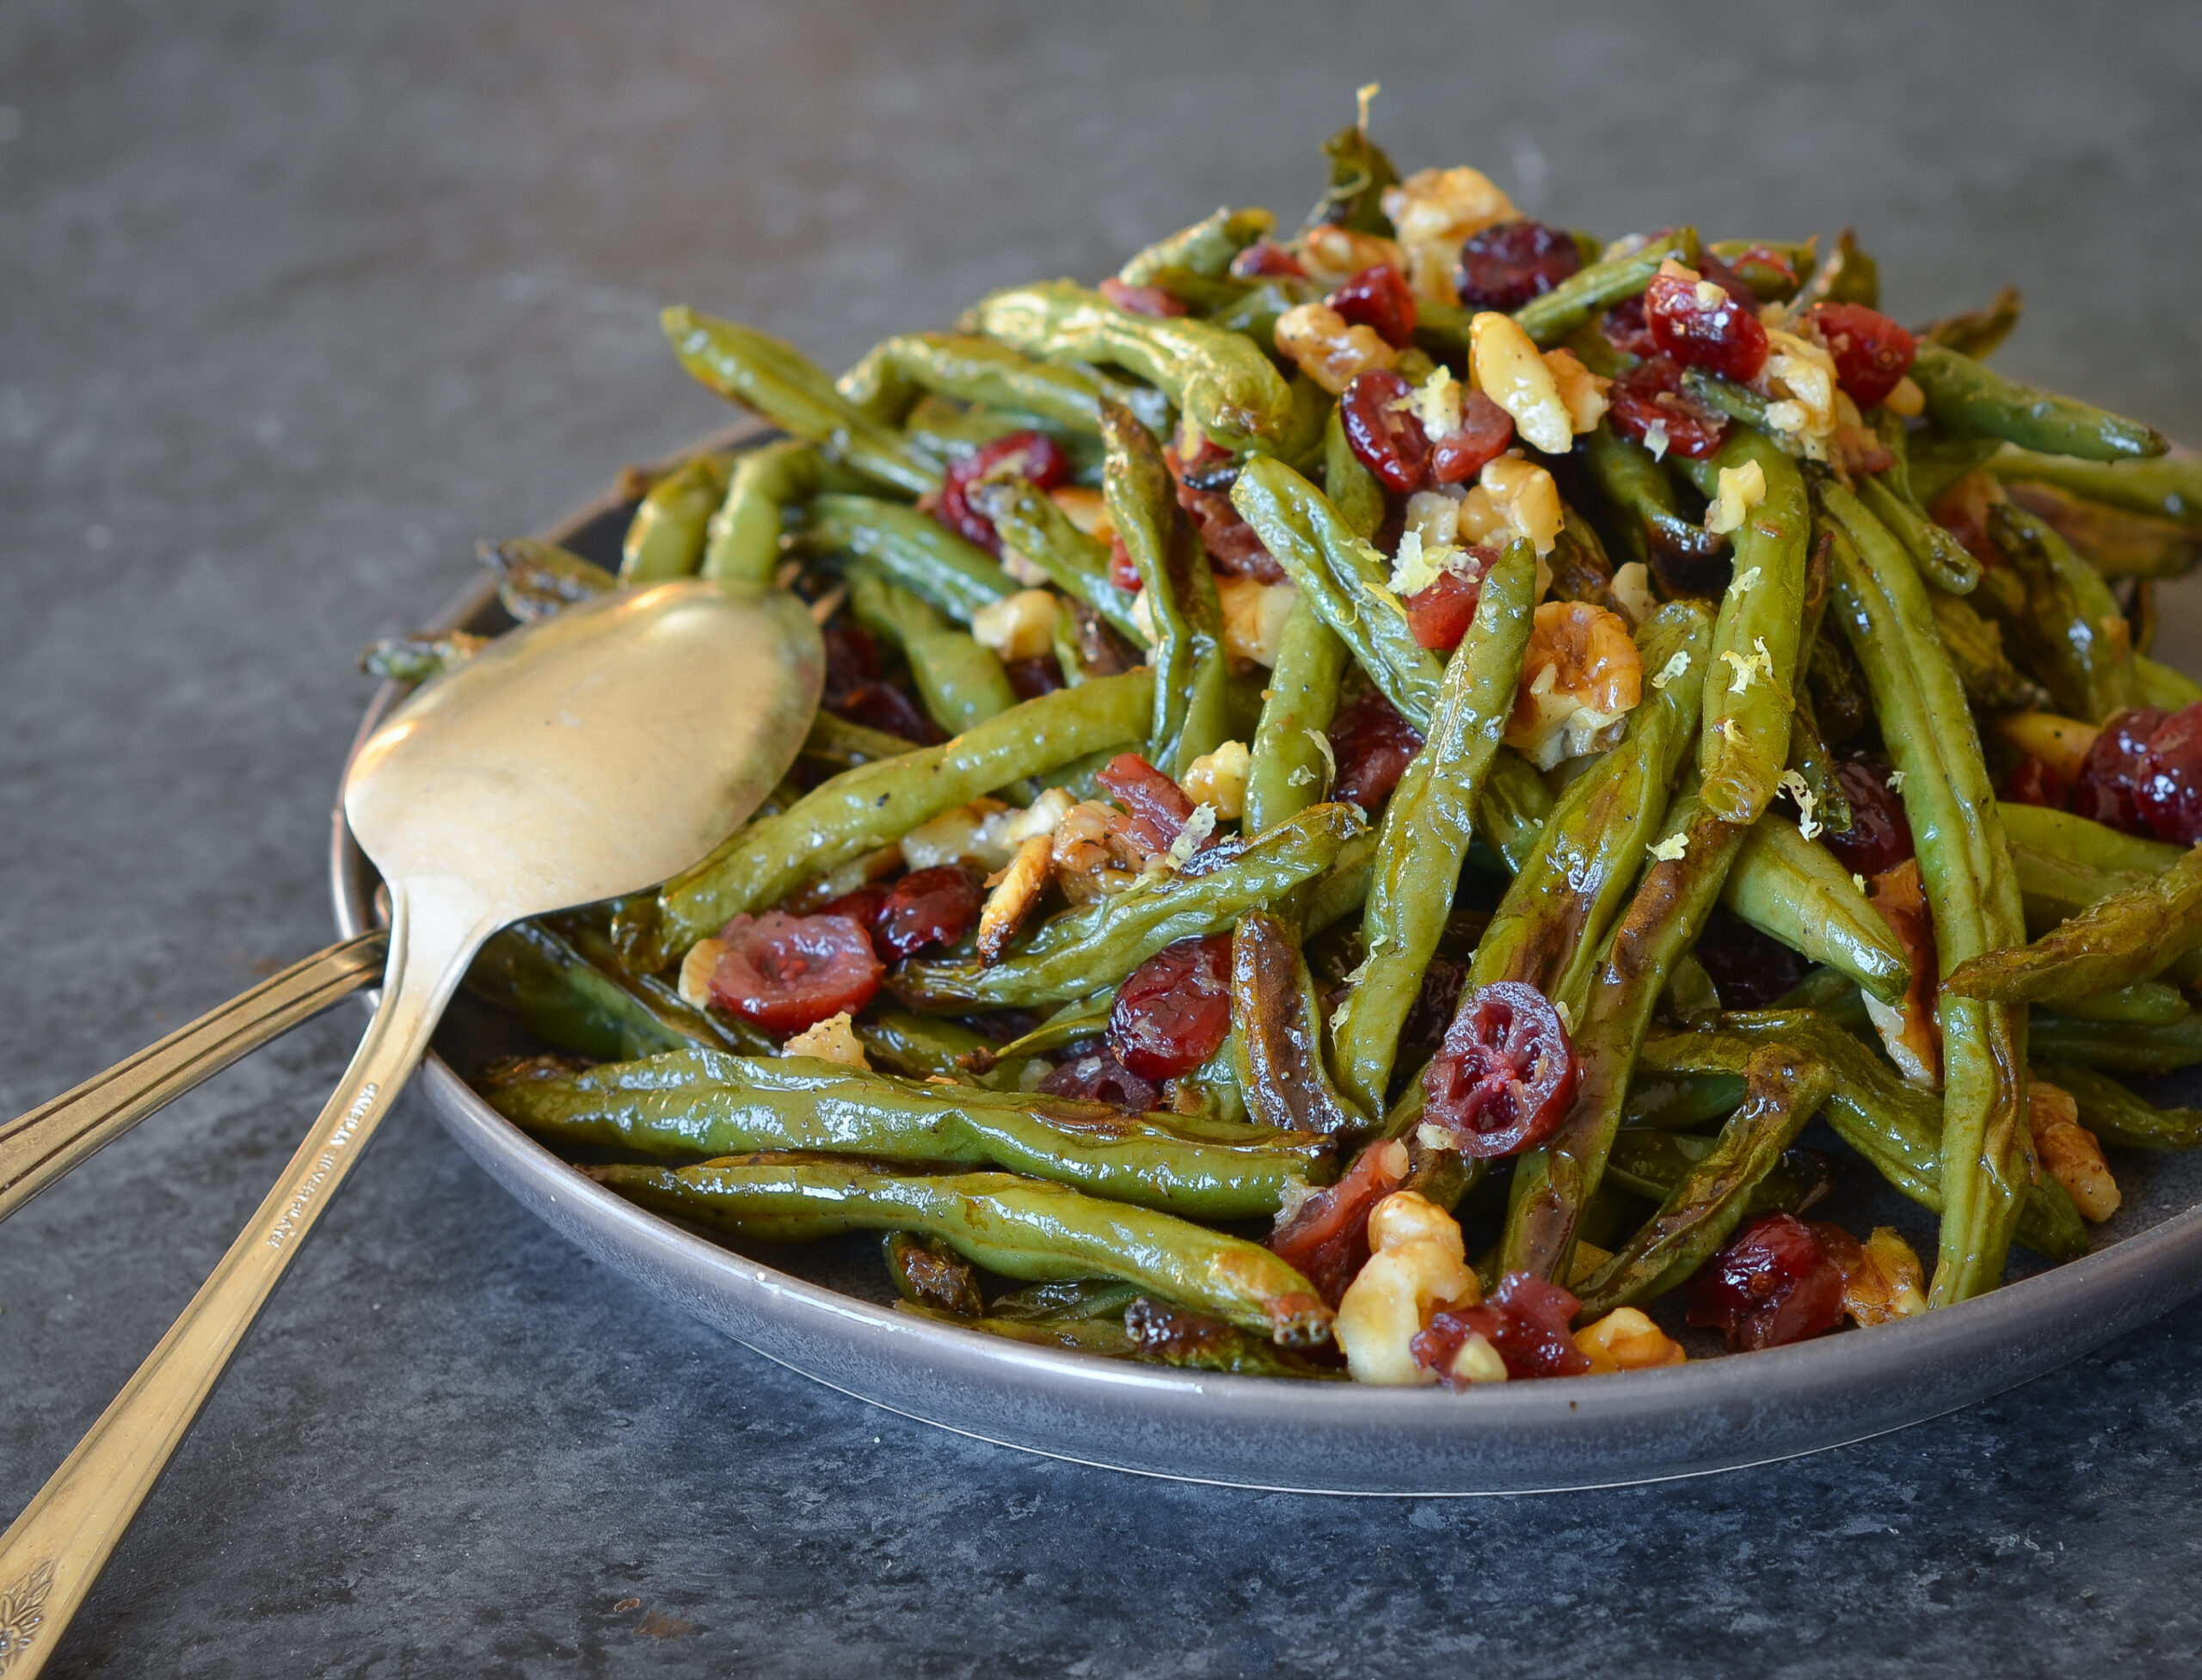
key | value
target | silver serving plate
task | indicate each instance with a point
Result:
(827, 1314)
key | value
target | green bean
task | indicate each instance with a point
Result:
(1578, 565)
(1834, 997)
(1649, 519)
(2070, 627)
(1783, 1089)
(1034, 526)
(1511, 817)
(1964, 864)
(2157, 684)
(1752, 680)
(1428, 823)
(1942, 560)
(665, 538)
(1249, 308)
(2054, 889)
(691, 1102)
(1589, 292)
(1738, 403)
(1205, 248)
(777, 381)
(2143, 1003)
(1020, 1228)
(1161, 1333)
(1343, 578)
(835, 744)
(1090, 949)
(1343, 890)
(876, 804)
(1976, 332)
(1212, 1088)
(2116, 542)
(2168, 487)
(1975, 645)
(1359, 174)
(1290, 770)
(1939, 460)
(1276, 1033)
(2063, 835)
(1652, 1163)
(953, 432)
(1103, 1337)
(536, 580)
(2117, 1047)
(2127, 937)
(1190, 667)
(931, 1276)
(1551, 926)
(742, 542)
(2120, 1118)
(417, 658)
(1553, 1183)
(562, 999)
(1680, 1102)
(1354, 490)
(925, 1046)
(1222, 382)
(914, 549)
(1793, 889)
(1964, 395)
(1847, 276)
(960, 682)
(1775, 281)
(886, 383)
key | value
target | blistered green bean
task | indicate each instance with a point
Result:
(665, 538)
(914, 549)
(1964, 396)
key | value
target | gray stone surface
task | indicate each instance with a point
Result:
(301, 300)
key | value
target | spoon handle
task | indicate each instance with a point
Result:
(54, 1551)
(37, 1148)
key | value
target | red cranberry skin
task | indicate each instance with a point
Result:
(1439, 616)
(1723, 338)
(1773, 1284)
(786, 974)
(1327, 1240)
(1157, 807)
(1879, 836)
(1232, 547)
(1652, 391)
(1503, 1079)
(1623, 326)
(1373, 745)
(928, 908)
(2170, 793)
(2034, 783)
(1096, 1076)
(1141, 299)
(863, 907)
(1871, 352)
(1526, 1322)
(1265, 258)
(2108, 790)
(1033, 456)
(1378, 297)
(1173, 1012)
(1505, 267)
(1388, 440)
(1482, 437)
(1124, 571)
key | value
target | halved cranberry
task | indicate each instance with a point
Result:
(787, 973)
(1032, 456)
(1773, 1284)
(1378, 297)
(1373, 745)
(1750, 970)
(1156, 808)
(1264, 257)
(1623, 326)
(2033, 783)
(1439, 616)
(1714, 333)
(1505, 1074)
(1878, 836)
(1326, 1240)
(1096, 1076)
(2170, 793)
(1505, 267)
(1173, 1012)
(1871, 352)
(1651, 393)
(1385, 435)
(928, 908)
(1141, 299)
(861, 906)
(2108, 790)
(1481, 438)
(1526, 1321)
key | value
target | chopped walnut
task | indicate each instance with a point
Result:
(1580, 676)
(1326, 348)
(1218, 779)
(2069, 1151)
(696, 970)
(1513, 372)
(1013, 893)
(1253, 618)
(1626, 1340)
(1909, 1030)
(1331, 254)
(1417, 1265)
(833, 1039)
(1434, 211)
(1091, 860)
(1018, 626)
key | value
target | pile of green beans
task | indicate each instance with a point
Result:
(1199, 537)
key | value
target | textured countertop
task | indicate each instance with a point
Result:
(299, 301)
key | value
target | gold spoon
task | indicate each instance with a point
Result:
(588, 756)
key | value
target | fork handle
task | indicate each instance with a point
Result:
(37, 1148)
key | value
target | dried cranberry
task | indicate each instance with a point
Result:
(1713, 269)
(1650, 393)
(881, 706)
(1231, 544)
(861, 906)
(2033, 783)
(1326, 1241)
(1717, 334)
(1028, 678)
(1481, 438)
(1124, 571)
(1266, 257)
(1438, 616)
(1878, 836)
(1526, 1321)
(1378, 297)
(1505, 267)
(1431, 1011)
(1373, 745)
(852, 658)
(1623, 326)
(1155, 807)
(786, 973)
(1503, 1079)
(928, 908)
(1173, 1012)
(1381, 431)
(1773, 1284)
(1032, 456)
(2171, 793)
(1141, 299)
(2108, 790)
(1096, 1076)
(1749, 969)
(1871, 352)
